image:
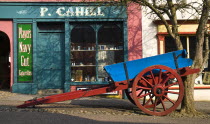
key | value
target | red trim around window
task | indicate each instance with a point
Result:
(195, 87)
(183, 33)
(159, 22)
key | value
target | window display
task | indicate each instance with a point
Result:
(92, 47)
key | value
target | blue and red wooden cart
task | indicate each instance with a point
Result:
(153, 84)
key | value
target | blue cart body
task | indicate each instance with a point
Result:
(117, 71)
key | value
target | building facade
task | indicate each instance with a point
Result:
(53, 46)
(156, 40)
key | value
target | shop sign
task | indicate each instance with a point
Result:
(25, 55)
(73, 11)
(52, 10)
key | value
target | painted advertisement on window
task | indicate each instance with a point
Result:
(25, 56)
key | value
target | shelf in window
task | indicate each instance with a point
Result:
(89, 82)
(83, 65)
(82, 50)
(94, 50)
(112, 50)
(101, 65)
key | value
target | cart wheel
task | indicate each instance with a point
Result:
(129, 96)
(151, 90)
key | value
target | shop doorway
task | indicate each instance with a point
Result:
(50, 57)
(50, 60)
(4, 61)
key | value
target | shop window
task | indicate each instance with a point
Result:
(110, 47)
(83, 53)
(192, 46)
(170, 44)
(93, 47)
(188, 42)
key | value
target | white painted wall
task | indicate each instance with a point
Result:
(149, 29)
(199, 95)
(149, 39)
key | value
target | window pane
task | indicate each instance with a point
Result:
(110, 47)
(170, 44)
(83, 53)
(83, 33)
(192, 43)
(184, 42)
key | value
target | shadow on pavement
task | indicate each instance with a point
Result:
(203, 106)
(49, 118)
(114, 104)
(118, 106)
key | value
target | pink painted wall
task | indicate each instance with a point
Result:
(7, 27)
(134, 31)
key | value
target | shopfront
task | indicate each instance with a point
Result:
(61, 47)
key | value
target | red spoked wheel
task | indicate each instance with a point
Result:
(129, 96)
(151, 90)
(128, 93)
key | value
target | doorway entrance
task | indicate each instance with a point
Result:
(50, 46)
(4, 61)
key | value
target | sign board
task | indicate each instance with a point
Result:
(51, 10)
(25, 56)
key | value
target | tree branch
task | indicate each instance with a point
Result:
(158, 13)
(200, 34)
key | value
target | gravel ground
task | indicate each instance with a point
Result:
(100, 109)
(5, 94)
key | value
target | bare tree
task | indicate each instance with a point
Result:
(201, 57)
(167, 10)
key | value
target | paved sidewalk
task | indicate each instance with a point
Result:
(99, 109)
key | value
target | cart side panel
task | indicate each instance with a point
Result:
(117, 72)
